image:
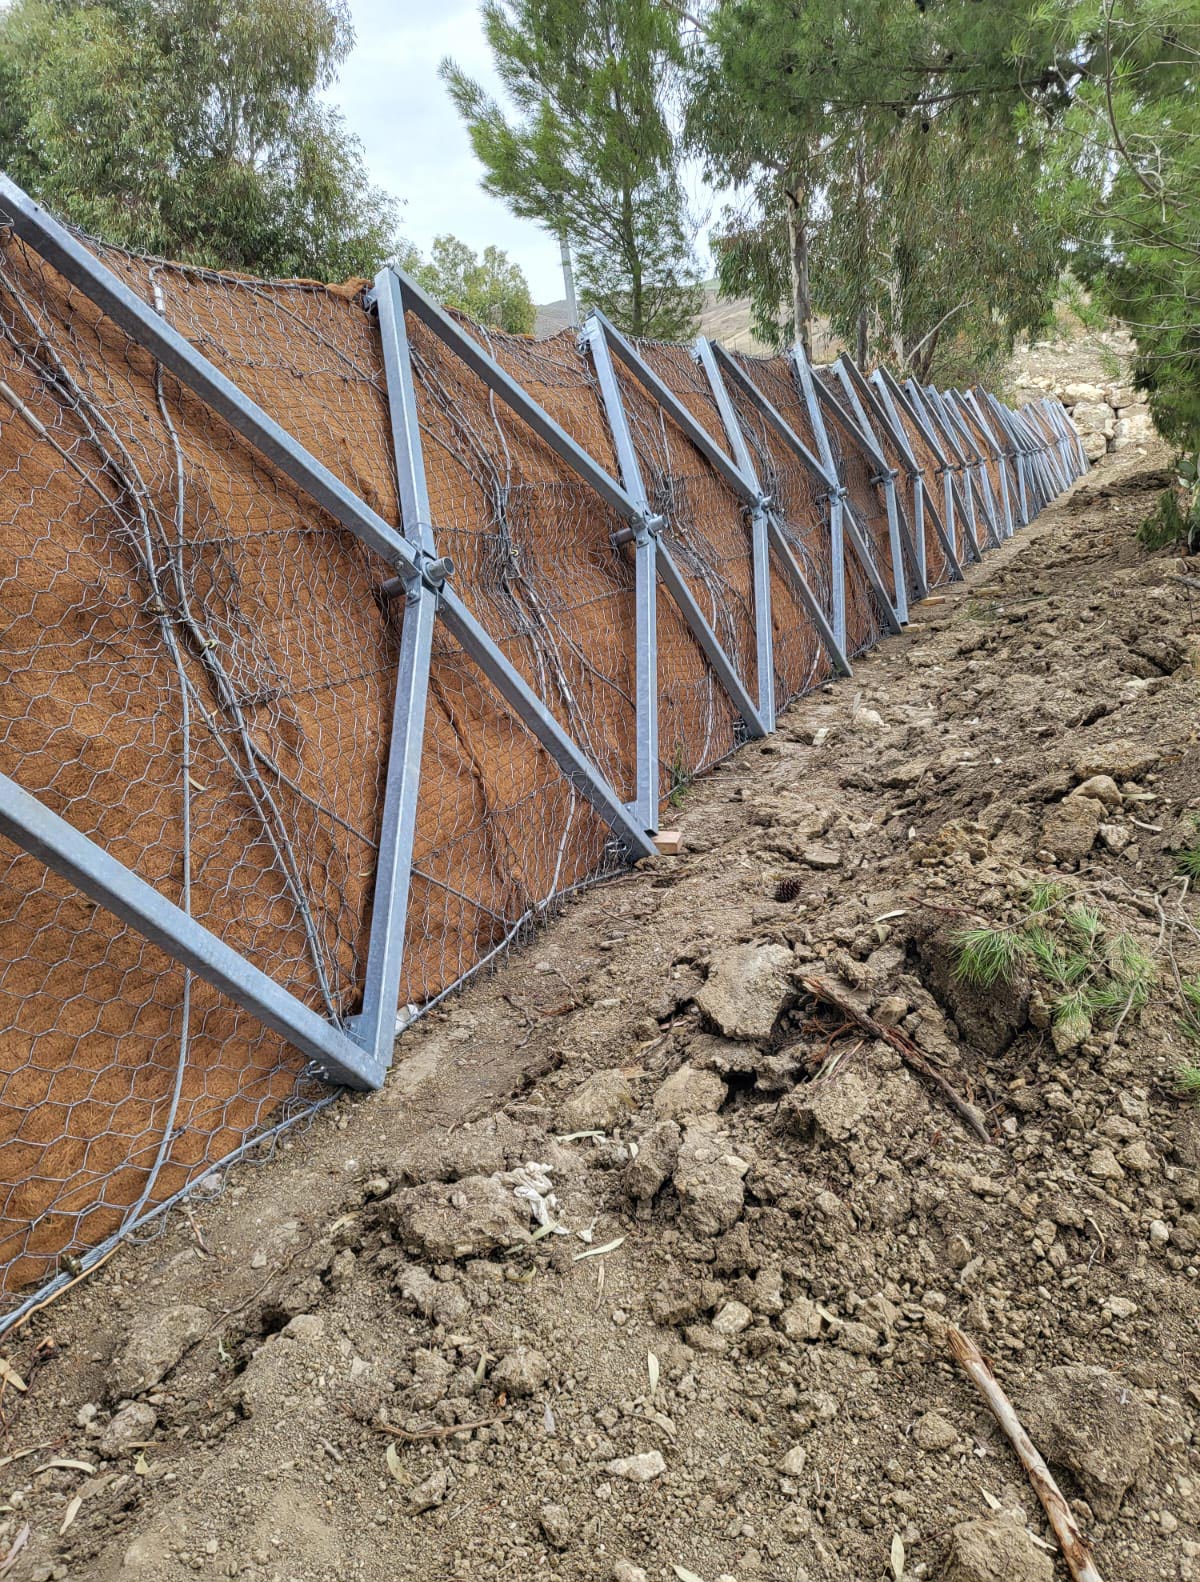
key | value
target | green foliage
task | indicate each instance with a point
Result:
(1124, 183)
(681, 776)
(192, 128)
(1091, 974)
(885, 156)
(1176, 517)
(491, 289)
(1188, 861)
(590, 151)
(987, 956)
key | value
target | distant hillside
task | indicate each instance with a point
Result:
(721, 319)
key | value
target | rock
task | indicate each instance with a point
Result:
(711, 1192)
(744, 991)
(1094, 446)
(555, 1522)
(867, 720)
(891, 1010)
(599, 1105)
(1073, 394)
(1090, 1422)
(148, 1354)
(1115, 837)
(1137, 1156)
(682, 1300)
(792, 1464)
(657, 1155)
(1120, 1307)
(933, 1432)
(821, 857)
(996, 1549)
(521, 1372)
(430, 1493)
(733, 1318)
(638, 1469)
(801, 1320)
(438, 1300)
(1094, 417)
(1121, 396)
(1124, 759)
(1101, 788)
(827, 1111)
(431, 1380)
(133, 1424)
(626, 1571)
(1135, 426)
(479, 1150)
(688, 1092)
(1160, 1233)
(861, 1339)
(1070, 827)
(1103, 1166)
(460, 1219)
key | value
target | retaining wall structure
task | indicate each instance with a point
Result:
(341, 636)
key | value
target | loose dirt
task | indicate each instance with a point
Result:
(361, 1361)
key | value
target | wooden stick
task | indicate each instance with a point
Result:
(905, 1048)
(1077, 1552)
(438, 1432)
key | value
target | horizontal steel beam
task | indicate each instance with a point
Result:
(139, 321)
(32, 826)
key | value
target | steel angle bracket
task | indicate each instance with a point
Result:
(894, 402)
(871, 422)
(598, 331)
(937, 440)
(766, 518)
(1002, 451)
(847, 519)
(974, 469)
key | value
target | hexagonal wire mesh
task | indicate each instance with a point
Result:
(199, 666)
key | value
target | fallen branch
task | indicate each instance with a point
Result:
(438, 1432)
(1077, 1552)
(905, 1048)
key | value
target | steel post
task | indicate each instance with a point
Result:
(645, 563)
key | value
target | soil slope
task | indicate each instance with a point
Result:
(733, 1365)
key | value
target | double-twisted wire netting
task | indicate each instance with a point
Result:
(199, 669)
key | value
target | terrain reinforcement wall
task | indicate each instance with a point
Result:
(198, 668)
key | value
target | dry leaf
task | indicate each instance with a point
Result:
(394, 1464)
(991, 1499)
(10, 1376)
(141, 1466)
(897, 1557)
(71, 1512)
(652, 1370)
(69, 1466)
(18, 1544)
(596, 1252)
(685, 1575)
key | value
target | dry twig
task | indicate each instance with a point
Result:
(438, 1432)
(905, 1048)
(1077, 1552)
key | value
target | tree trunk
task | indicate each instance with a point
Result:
(797, 218)
(860, 183)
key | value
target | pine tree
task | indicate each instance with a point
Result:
(588, 149)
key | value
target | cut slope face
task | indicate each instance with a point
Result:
(783, 1211)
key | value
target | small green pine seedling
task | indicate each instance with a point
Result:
(1188, 861)
(986, 956)
(1187, 1075)
(1045, 896)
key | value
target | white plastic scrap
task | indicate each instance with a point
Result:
(531, 1183)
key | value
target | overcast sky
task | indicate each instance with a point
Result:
(415, 144)
(416, 147)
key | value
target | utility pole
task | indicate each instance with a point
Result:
(568, 281)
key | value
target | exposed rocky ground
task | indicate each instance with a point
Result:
(1089, 371)
(367, 1361)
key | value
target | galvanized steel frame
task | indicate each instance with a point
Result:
(359, 1052)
